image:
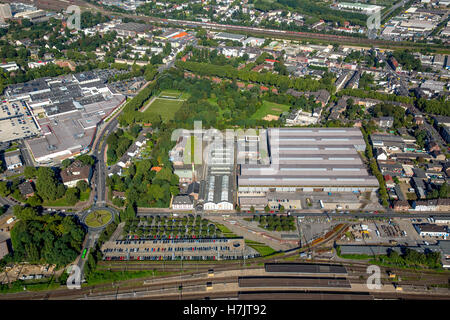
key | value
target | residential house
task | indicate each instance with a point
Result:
(77, 171)
(26, 189)
(401, 205)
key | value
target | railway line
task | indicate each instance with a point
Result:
(194, 285)
(59, 5)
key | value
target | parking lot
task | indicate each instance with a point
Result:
(16, 121)
(177, 249)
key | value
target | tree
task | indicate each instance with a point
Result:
(267, 208)
(30, 172)
(4, 188)
(86, 159)
(443, 191)
(65, 163)
(34, 201)
(281, 208)
(82, 185)
(72, 196)
(252, 209)
(47, 185)
(130, 212)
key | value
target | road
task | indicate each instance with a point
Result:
(389, 214)
(98, 151)
(395, 6)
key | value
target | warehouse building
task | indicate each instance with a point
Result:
(361, 7)
(431, 230)
(67, 108)
(229, 36)
(309, 159)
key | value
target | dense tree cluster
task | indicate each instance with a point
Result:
(118, 144)
(397, 112)
(360, 93)
(48, 184)
(366, 130)
(45, 238)
(407, 60)
(435, 106)
(412, 258)
(157, 227)
(440, 192)
(314, 9)
(275, 223)
(145, 187)
(268, 78)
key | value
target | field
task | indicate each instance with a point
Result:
(98, 218)
(173, 94)
(167, 103)
(270, 110)
(262, 249)
(165, 108)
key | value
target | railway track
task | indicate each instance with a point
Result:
(61, 5)
(168, 286)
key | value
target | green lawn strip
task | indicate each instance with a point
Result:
(14, 176)
(33, 285)
(263, 250)
(356, 256)
(270, 108)
(105, 276)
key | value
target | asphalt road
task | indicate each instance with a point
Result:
(100, 168)
(309, 214)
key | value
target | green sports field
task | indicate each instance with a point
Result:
(270, 108)
(167, 103)
(174, 94)
(165, 108)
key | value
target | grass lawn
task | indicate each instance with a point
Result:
(84, 196)
(263, 250)
(165, 108)
(61, 202)
(105, 276)
(192, 144)
(271, 108)
(170, 93)
(98, 218)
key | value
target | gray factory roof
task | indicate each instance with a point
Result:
(218, 189)
(305, 268)
(230, 36)
(442, 245)
(134, 26)
(310, 157)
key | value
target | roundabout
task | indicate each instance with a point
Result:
(97, 218)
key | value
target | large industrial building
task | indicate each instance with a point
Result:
(297, 160)
(63, 113)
